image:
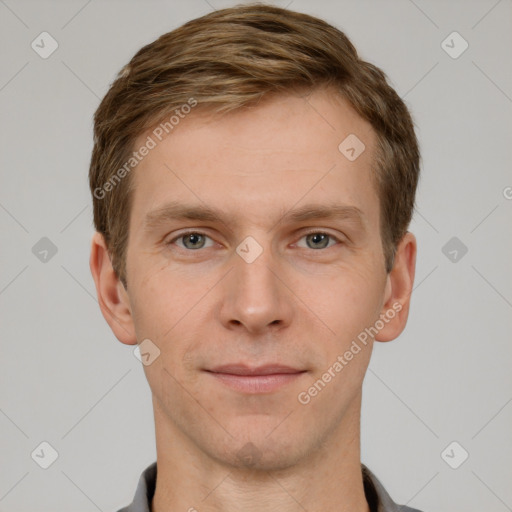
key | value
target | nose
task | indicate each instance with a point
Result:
(255, 296)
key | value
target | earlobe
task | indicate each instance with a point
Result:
(112, 297)
(398, 291)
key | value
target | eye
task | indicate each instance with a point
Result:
(319, 240)
(192, 240)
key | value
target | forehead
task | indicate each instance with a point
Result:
(287, 151)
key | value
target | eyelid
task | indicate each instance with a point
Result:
(185, 233)
(314, 231)
(311, 231)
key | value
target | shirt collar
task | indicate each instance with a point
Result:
(377, 497)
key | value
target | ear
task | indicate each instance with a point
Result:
(112, 296)
(400, 280)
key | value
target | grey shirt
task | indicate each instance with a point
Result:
(376, 496)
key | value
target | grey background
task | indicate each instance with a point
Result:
(66, 380)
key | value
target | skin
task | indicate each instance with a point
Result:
(301, 302)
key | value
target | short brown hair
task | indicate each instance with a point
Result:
(232, 58)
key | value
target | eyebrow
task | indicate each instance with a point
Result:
(178, 211)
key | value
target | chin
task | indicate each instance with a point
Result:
(261, 451)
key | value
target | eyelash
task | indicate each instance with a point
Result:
(195, 232)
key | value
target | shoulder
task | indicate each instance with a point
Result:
(144, 492)
(377, 497)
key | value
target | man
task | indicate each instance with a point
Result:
(253, 181)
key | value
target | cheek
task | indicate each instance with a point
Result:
(351, 305)
(157, 295)
(166, 310)
(351, 301)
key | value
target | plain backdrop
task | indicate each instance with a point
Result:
(67, 381)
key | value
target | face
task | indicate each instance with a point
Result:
(255, 241)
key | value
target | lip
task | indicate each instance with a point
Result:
(243, 369)
(262, 379)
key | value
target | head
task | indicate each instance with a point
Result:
(243, 114)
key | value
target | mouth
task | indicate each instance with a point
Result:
(262, 379)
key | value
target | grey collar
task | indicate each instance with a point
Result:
(377, 497)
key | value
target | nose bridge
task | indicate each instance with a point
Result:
(254, 261)
(253, 266)
(255, 296)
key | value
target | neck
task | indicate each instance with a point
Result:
(329, 478)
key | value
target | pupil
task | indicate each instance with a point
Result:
(193, 238)
(318, 238)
